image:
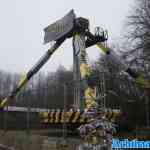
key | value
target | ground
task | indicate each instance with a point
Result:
(21, 140)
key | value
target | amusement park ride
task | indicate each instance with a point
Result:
(97, 126)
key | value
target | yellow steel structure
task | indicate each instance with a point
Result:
(57, 116)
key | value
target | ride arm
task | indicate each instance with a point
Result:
(57, 32)
(31, 73)
(113, 58)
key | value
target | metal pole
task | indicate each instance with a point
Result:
(64, 123)
(147, 109)
(46, 98)
(146, 100)
(28, 114)
(5, 119)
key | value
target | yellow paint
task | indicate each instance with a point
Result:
(69, 114)
(45, 116)
(102, 47)
(52, 117)
(90, 98)
(22, 81)
(3, 102)
(57, 116)
(77, 114)
(85, 70)
(94, 140)
(142, 82)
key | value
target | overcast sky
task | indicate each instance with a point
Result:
(22, 23)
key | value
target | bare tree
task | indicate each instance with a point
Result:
(139, 32)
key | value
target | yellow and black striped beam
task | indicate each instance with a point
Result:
(71, 117)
